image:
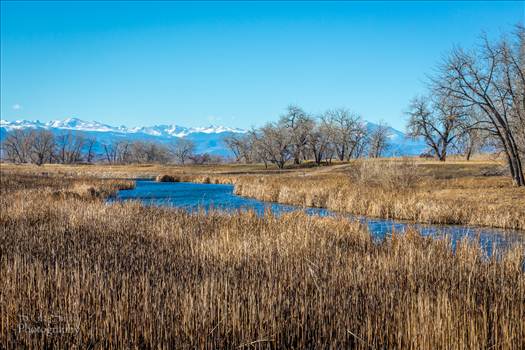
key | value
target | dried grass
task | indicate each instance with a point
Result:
(167, 178)
(128, 276)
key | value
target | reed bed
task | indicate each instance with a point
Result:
(397, 190)
(454, 192)
(79, 273)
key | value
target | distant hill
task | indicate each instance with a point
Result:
(207, 139)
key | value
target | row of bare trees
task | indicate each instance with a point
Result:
(477, 97)
(180, 151)
(41, 146)
(298, 136)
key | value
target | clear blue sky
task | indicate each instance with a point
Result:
(235, 64)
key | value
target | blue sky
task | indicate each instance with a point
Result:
(234, 64)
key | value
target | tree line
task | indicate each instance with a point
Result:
(299, 136)
(475, 98)
(41, 146)
(296, 137)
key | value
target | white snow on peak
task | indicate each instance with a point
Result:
(21, 124)
(81, 125)
(212, 129)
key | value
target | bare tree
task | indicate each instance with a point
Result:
(90, 143)
(276, 144)
(200, 159)
(344, 126)
(491, 80)
(111, 152)
(259, 151)
(69, 147)
(378, 140)
(358, 140)
(470, 141)
(182, 149)
(439, 123)
(148, 152)
(298, 125)
(241, 147)
(17, 145)
(42, 146)
(117, 151)
(319, 141)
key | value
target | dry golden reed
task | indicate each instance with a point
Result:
(79, 273)
(452, 192)
(166, 178)
(397, 190)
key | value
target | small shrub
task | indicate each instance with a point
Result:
(166, 178)
(392, 174)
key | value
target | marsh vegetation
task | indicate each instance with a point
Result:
(125, 275)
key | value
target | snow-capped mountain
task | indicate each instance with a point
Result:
(180, 131)
(81, 125)
(207, 139)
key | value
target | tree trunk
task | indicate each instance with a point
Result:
(341, 153)
(513, 158)
(469, 154)
(519, 179)
(443, 156)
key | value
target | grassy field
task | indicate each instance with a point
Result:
(455, 192)
(78, 273)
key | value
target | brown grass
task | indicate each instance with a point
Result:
(78, 273)
(428, 191)
(167, 178)
(399, 189)
(392, 175)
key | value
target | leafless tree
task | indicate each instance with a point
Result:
(344, 127)
(200, 159)
(182, 149)
(17, 146)
(110, 152)
(440, 122)
(491, 80)
(117, 151)
(358, 140)
(378, 140)
(319, 141)
(298, 125)
(276, 143)
(69, 147)
(42, 146)
(148, 152)
(89, 145)
(469, 142)
(259, 151)
(241, 147)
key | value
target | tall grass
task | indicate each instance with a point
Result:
(389, 174)
(398, 190)
(79, 273)
(454, 192)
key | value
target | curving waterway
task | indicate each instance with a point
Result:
(193, 196)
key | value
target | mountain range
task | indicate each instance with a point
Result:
(206, 139)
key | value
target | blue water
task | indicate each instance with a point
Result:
(192, 196)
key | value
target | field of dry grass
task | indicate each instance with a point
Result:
(79, 273)
(454, 192)
(438, 198)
